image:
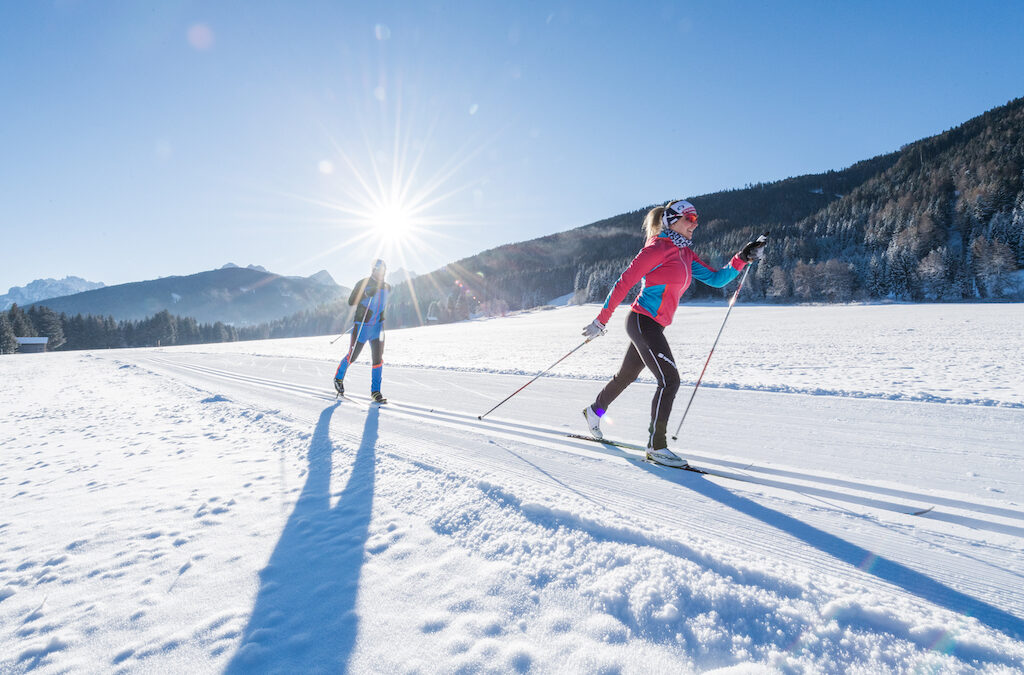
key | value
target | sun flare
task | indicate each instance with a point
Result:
(393, 200)
(392, 222)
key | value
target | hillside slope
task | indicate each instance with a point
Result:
(235, 295)
(940, 219)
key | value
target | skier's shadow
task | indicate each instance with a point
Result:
(888, 570)
(304, 618)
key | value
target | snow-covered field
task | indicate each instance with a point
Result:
(939, 353)
(212, 508)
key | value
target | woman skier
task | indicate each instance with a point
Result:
(370, 296)
(666, 265)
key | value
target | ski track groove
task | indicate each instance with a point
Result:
(632, 502)
(530, 433)
(786, 551)
(612, 484)
(766, 536)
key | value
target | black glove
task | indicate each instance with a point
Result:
(754, 250)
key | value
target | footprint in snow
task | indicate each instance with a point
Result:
(36, 654)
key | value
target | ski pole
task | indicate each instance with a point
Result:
(361, 291)
(357, 334)
(735, 296)
(350, 330)
(480, 417)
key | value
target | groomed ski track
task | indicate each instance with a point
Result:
(803, 520)
(496, 428)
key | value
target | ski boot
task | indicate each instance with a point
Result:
(339, 386)
(666, 457)
(378, 397)
(593, 421)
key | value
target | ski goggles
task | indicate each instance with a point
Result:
(680, 209)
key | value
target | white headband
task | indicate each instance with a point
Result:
(676, 210)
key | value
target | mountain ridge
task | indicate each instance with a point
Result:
(233, 295)
(41, 289)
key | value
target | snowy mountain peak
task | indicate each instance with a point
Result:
(323, 277)
(399, 275)
(43, 289)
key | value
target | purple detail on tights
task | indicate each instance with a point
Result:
(599, 411)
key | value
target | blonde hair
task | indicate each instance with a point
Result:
(653, 221)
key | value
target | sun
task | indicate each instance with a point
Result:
(393, 199)
(392, 222)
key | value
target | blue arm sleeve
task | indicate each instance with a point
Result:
(711, 277)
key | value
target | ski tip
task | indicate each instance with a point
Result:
(922, 511)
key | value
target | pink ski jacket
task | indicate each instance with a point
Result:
(666, 271)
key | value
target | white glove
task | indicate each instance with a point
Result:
(595, 329)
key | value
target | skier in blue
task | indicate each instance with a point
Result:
(370, 297)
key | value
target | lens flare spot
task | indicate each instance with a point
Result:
(200, 36)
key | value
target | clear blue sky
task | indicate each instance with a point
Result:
(146, 139)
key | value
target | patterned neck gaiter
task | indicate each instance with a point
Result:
(677, 239)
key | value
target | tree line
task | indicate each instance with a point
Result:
(98, 332)
(163, 329)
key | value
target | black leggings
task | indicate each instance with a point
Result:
(650, 349)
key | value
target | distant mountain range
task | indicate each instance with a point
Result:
(400, 275)
(40, 289)
(232, 294)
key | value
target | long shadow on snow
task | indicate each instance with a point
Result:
(304, 618)
(893, 572)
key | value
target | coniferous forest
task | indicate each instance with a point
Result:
(940, 220)
(160, 330)
(97, 332)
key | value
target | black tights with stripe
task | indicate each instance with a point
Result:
(650, 349)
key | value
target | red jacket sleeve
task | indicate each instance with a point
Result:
(647, 259)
